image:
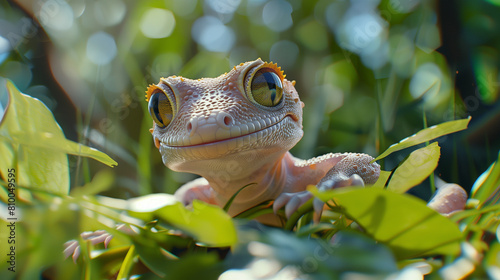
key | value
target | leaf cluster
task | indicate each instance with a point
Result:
(376, 231)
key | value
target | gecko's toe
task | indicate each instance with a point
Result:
(281, 201)
(318, 206)
(355, 180)
(448, 199)
(341, 181)
(296, 202)
(291, 201)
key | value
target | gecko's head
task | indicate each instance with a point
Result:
(250, 114)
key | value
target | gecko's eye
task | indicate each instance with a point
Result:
(160, 109)
(264, 84)
(266, 87)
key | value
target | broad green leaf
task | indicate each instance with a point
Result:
(28, 121)
(32, 142)
(487, 185)
(427, 134)
(418, 166)
(208, 224)
(401, 221)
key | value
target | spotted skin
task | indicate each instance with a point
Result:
(220, 132)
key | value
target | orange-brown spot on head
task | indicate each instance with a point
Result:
(151, 130)
(157, 143)
(312, 166)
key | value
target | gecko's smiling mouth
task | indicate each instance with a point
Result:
(258, 134)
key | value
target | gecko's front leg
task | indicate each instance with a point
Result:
(196, 189)
(350, 170)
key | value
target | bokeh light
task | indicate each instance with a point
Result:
(56, 16)
(284, 53)
(277, 15)
(157, 23)
(213, 35)
(4, 48)
(101, 48)
(370, 72)
(427, 80)
(109, 12)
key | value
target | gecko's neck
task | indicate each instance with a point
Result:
(263, 178)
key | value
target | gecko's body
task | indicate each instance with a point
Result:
(237, 129)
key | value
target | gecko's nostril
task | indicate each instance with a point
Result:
(189, 127)
(227, 120)
(224, 120)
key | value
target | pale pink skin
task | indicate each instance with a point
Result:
(221, 134)
(218, 131)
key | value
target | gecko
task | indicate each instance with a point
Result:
(236, 131)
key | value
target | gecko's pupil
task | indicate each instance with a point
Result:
(160, 109)
(266, 88)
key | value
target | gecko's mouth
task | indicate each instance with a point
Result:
(247, 138)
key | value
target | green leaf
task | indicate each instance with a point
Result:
(418, 166)
(208, 224)
(26, 123)
(486, 187)
(349, 251)
(127, 264)
(152, 257)
(230, 201)
(382, 179)
(401, 221)
(32, 142)
(425, 135)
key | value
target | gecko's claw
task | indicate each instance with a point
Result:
(318, 206)
(96, 237)
(72, 247)
(293, 201)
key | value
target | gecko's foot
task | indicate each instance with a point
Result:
(338, 181)
(293, 201)
(448, 199)
(72, 247)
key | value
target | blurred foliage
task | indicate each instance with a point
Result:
(370, 73)
(369, 232)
